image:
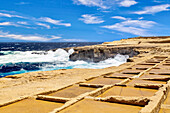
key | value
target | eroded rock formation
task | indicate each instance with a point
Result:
(99, 53)
(131, 47)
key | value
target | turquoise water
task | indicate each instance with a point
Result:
(16, 62)
(25, 71)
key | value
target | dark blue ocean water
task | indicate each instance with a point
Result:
(10, 52)
(40, 46)
(16, 58)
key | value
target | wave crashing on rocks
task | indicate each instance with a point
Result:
(16, 62)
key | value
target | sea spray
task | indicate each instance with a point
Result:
(15, 62)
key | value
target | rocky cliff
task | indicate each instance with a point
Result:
(98, 53)
(131, 47)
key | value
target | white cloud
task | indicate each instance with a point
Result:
(22, 22)
(105, 4)
(136, 27)
(90, 19)
(10, 15)
(73, 40)
(119, 17)
(140, 18)
(44, 25)
(97, 3)
(35, 20)
(55, 22)
(127, 3)
(8, 24)
(17, 24)
(5, 23)
(138, 23)
(159, 1)
(5, 15)
(25, 37)
(22, 3)
(154, 9)
(54, 37)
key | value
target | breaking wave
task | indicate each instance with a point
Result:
(15, 62)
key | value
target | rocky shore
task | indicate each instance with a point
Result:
(131, 47)
(140, 85)
(100, 53)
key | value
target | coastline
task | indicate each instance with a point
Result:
(17, 87)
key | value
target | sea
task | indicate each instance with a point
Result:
(19, 57)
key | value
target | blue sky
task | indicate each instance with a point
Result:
(82, 20)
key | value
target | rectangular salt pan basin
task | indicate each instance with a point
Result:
(91, 106)
(119, 75)
(152, 61)
(160, 71)
(72, 91)
(164, 66)
(152, 64)
(153, 76)
(140, 81)
(128, 91)
(30, 106)
(131, 71)
(141, 67)
(104, 81)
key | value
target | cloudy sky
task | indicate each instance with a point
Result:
(82, 20)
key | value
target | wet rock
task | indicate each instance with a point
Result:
(100, 54)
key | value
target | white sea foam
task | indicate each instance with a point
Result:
(118, 60)
(58, 59)
(18, 56)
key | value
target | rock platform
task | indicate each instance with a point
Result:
(141, 85)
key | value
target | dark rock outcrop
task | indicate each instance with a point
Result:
(96, 54)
